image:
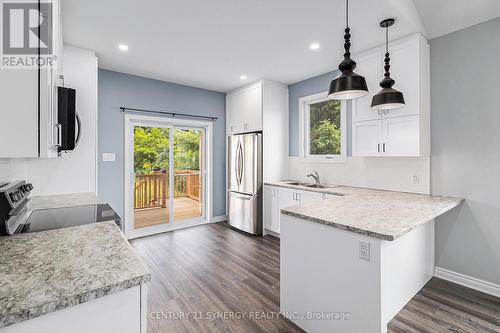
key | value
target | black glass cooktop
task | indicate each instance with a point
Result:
(56, 218)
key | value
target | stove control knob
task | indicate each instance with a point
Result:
(15, 196)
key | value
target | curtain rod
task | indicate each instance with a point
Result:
(173, 114)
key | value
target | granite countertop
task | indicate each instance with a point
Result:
(386, 215)
(62, 201)
(51, 270)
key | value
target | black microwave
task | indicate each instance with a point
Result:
(69, 127)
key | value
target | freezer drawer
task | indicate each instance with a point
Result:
(245, 212)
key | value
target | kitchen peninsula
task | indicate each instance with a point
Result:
(358, 256)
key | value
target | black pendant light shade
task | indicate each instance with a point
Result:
(347, 85)
(388, 98)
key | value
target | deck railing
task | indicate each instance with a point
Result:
(153, 190)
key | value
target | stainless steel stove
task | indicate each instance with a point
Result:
(15, 218)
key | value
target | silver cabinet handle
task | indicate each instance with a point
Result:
(59, 135)
(383, 147)
(298, 197)
(378, 147)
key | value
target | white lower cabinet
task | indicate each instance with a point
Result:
(277, 198)
(120, 312)
(271, 218)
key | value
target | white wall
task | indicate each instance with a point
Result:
(465, 133)
(397, 174)
(74, 172)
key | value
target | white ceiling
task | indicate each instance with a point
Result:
(441, 17)
(210, 44)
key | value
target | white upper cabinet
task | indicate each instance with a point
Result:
(399, 132)
(29, 103)
(370, 66)
(401, 136)
(367, 138)
(244, 109)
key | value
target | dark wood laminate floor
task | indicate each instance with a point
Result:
(213, 270)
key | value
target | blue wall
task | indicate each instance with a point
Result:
(308, 87)
(118, 89)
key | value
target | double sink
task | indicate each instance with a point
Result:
(308, 184)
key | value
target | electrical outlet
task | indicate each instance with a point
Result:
(416, 179)
(364, 250)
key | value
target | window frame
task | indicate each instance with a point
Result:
(304, 114)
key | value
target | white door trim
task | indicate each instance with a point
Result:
(167, 122)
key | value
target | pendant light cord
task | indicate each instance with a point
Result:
(347, 13)
(387, 82)
(386, 39)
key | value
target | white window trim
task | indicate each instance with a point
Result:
(304, 103)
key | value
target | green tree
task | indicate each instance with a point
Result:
(324, 128)
(325, 139)
(151, 149)
(187, 149)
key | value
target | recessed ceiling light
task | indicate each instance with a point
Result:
(314, 46)
(123, 47)
(243, 77)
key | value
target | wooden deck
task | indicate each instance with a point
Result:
(184, 208)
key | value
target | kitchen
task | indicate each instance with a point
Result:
(227, 177)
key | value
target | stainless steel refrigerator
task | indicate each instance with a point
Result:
(245, 182)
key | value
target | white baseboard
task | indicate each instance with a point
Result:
(220, 218)
(272, 233)
(468, 281)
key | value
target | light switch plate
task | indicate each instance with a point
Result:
(109, 157)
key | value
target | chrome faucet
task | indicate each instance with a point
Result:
(315, 175)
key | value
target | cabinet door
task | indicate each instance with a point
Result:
(405, 70)
(271, 209)
(369, 66)
(248, 109)
(286, 198)
(19, 113)
(307, 196)
(367, 138)
(230, 126)
(402, 136)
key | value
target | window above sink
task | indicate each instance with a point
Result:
(323, 129)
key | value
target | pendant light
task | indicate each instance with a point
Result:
(387, 98)
(347, 85)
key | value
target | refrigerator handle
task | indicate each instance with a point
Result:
(240, 163)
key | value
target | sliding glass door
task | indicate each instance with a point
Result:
(188, 173)
(167, 161)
